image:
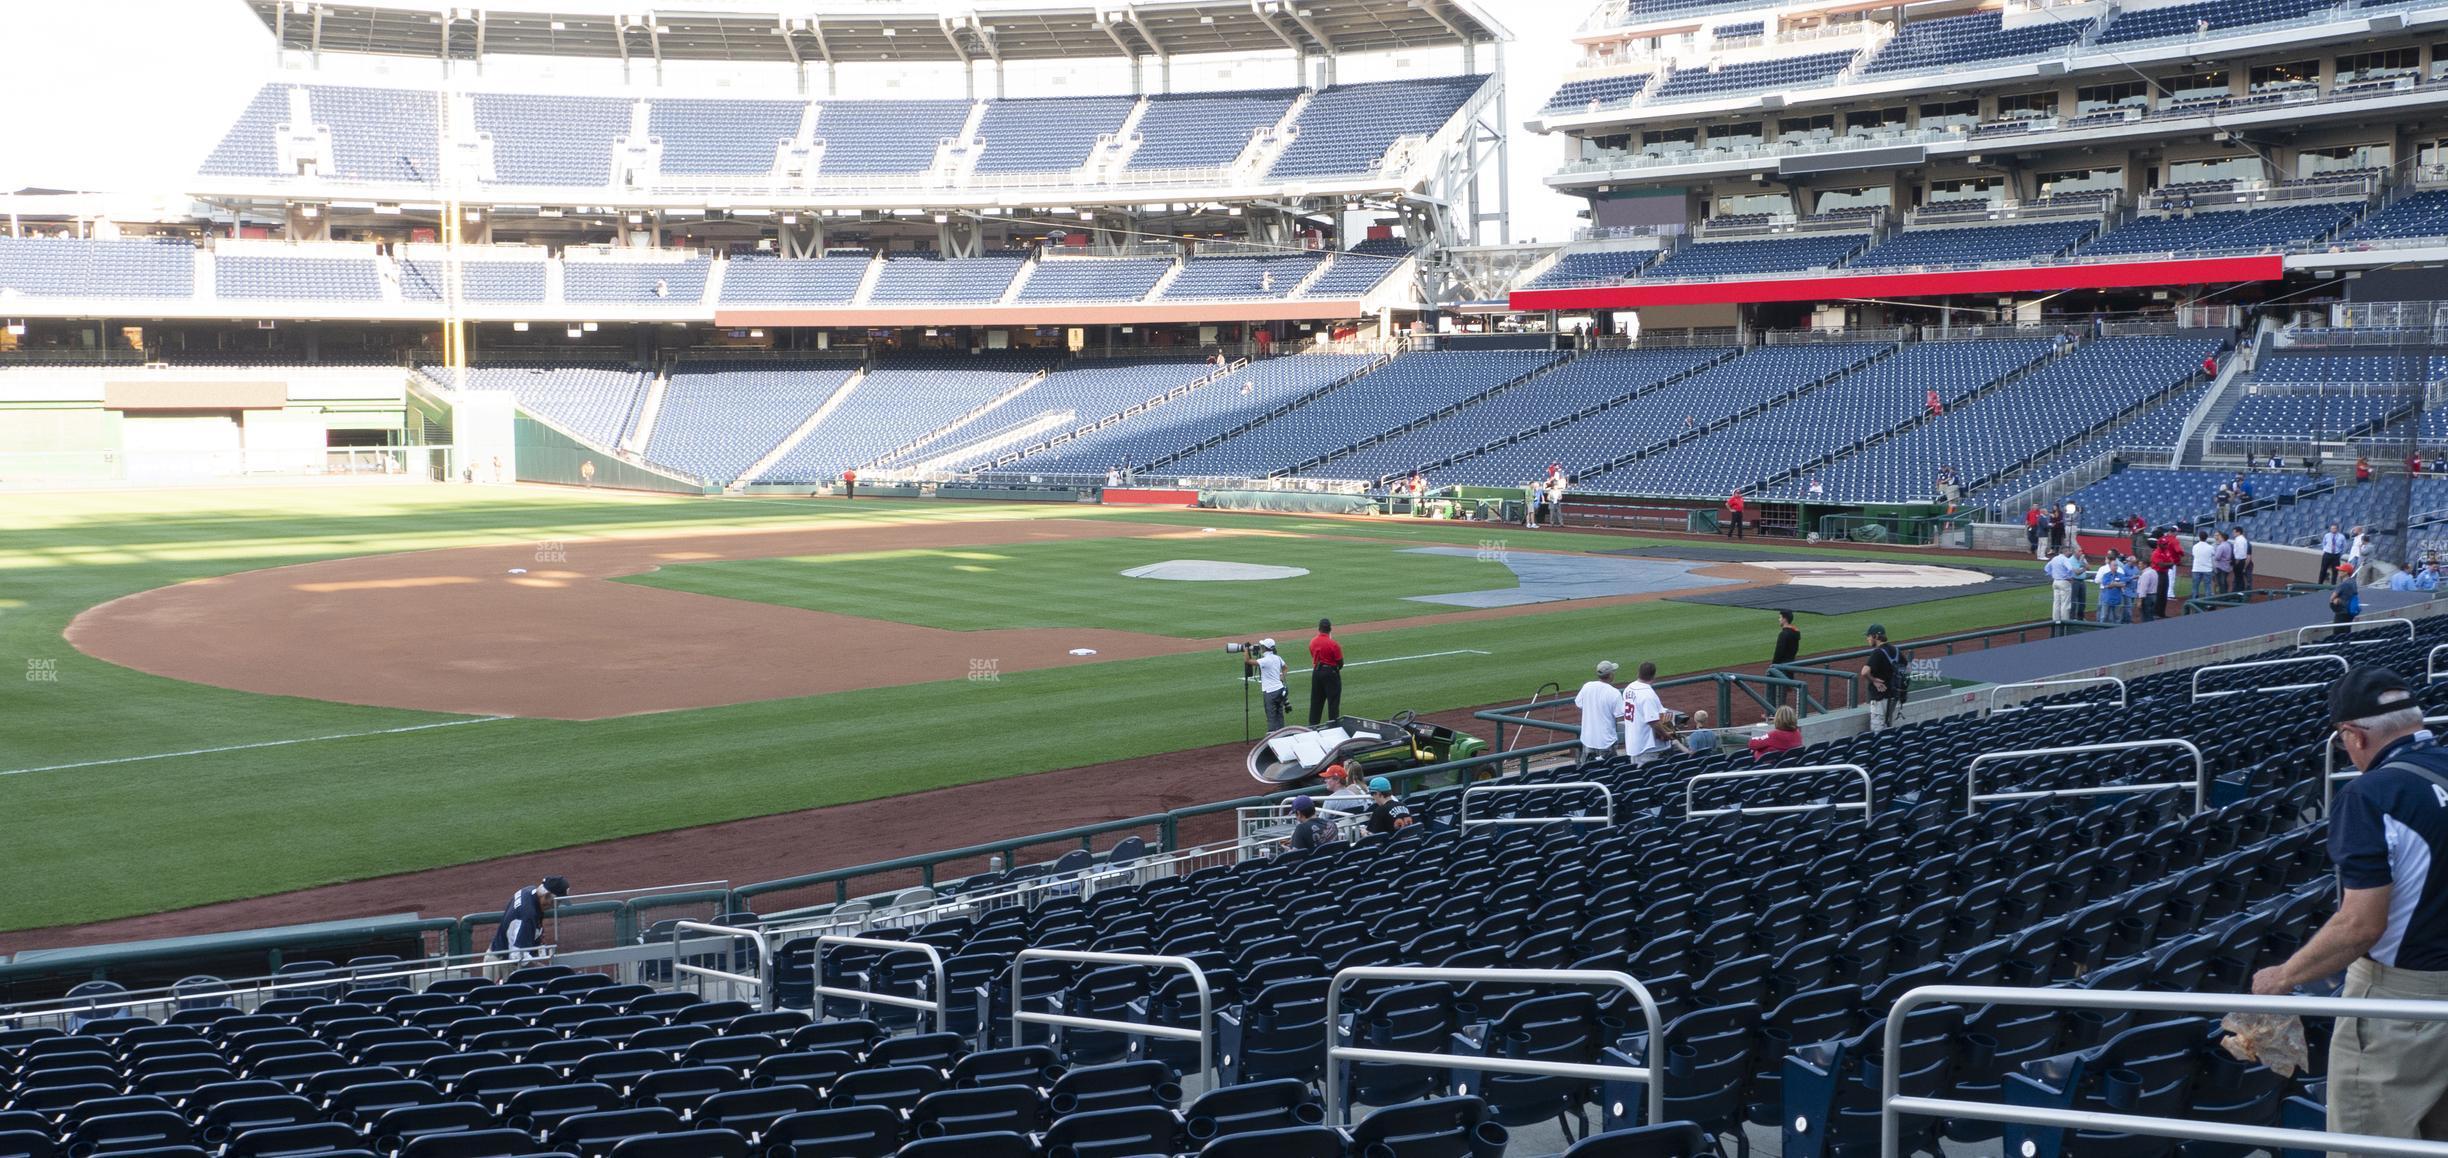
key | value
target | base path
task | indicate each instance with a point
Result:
(456, 631)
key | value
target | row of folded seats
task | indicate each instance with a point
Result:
(1773, 943)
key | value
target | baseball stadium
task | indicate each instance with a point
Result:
(1355, 578)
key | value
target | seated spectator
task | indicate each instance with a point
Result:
(1701, 738)
(1784, 735)
(1310, 830)
(1342, 795)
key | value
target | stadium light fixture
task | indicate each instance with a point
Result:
(573, 331)
(637, 219)
(943, 218)
(518, 327)
(16, 328)
(309, 212)
(790, 219)
(587, 326)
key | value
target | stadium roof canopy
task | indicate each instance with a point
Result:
(871, 31)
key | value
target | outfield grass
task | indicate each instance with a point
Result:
(1080, 584)
(116, 839)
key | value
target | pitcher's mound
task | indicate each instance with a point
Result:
(1210, 571)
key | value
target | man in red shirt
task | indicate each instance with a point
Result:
(1325, 675)
(1734, 514)
(2163, 559)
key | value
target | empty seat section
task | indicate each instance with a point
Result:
(551, 140)
(1789, 253)
(738, 137)
(868, 138)
(1753, 76)
(65, 267)
(915, 279)
(2421, 214)
(1204, 130)
(1093, 279)
(1080, 393)
(1405, 390)
(1981, 36)
(258, 276)
(1594, 267)
(719, 418)
(2190, 19)
(1348, 129)
(426, 279)
(2226, 230)
(596, 403)
(829, 280)
(1240, 278)
(905, 397)
(1597, 92)
(1047, 134)
(1975, 245)
(1195, 417)
(613, 279)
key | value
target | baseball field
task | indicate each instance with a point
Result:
(234, 692)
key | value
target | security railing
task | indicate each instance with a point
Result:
(2200, 695)
(2123, 697)
(2359, 628)
(1868, 803)
(1647, 1075)
(939, 1004)
(1605, 797)
(1204, 1035)
(1893, 1105)
(2431, 668)
(761, 984)
(157, 1004)
(1974, 798)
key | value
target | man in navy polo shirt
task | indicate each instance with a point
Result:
(2388, 836)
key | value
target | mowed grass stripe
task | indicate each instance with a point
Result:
(1080, 584)
(128, 839)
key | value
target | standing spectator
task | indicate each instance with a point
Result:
(2113, 584)
(1538, 504)
(1325, 675)
(1788, 641)
(1309, 830)
(1784, 735)
(1601, 704)
(2031, 531)
(2243, 558)
(2150, 599)
(2358, 547)
(520, 936)
(2414, 463)
(1884, 678)
(1734, 513)
(586, 473)
(2224, 507)
(1701, 739)
(2222, 561)
(2205, 567)
(1931, 402)
(2345, 602)
(2164, 557)
(2056, 531)
(1113, 478)
(2363, 468)
(1271, 690)
(1555, 494)
(1386, 812)
(2333, 551)
(849, 485)
(2062, 572)
(2209, 361)
(2388, 837)
(1646, 731)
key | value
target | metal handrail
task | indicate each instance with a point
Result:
(1204, 1035)
(1648, 1075)
(941, 1004)
(763, 981)
(2356, 628)
(2199, 672)
(1691, 788)
(2329, 769)
(2200, 783)
(1605, 795)
(1892, 1104)
(2123, 696)
(2431, 671)
(260, 988)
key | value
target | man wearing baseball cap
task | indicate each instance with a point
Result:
(2388, 836)
(1270, 669)
(1386, 813)
(1310, 830)
(521, 932)
(1601, 704)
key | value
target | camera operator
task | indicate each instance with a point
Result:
(1260, 657)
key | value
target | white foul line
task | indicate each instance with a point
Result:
(1398, 659)
(247, 747)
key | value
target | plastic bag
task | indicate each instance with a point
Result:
(2273, 1040)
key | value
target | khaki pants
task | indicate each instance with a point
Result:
(2390, 1078)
